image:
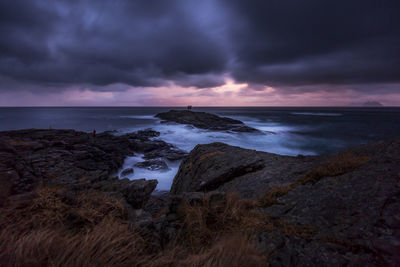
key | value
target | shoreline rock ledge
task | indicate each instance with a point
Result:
(339, 210)
(204, 120)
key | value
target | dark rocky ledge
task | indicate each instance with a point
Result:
(349, 203)
(76, 159)
(205, 120)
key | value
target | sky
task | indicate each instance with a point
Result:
(200, 53)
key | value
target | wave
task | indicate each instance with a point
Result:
(277, 138)
(164, 178)
(141, 117)
(316, 114)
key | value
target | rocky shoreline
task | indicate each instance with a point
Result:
(318, 210)
(80, 161)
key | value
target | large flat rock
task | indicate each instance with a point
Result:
(218, 166)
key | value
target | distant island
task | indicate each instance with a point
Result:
(372, 104)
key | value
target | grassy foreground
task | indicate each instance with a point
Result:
(54, 226)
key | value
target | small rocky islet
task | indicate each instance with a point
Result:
(204, 120)
(320, 210)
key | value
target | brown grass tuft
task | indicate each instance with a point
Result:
(341, 164)
(55, 206)
(109, 243)
(205, 223)
(233, 251)
(57, 227)
(270, 198)
(338, 165)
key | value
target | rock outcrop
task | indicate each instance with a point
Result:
(339, 210)
(205, 120)
(77, 160)
(218, 166)
(306, 210)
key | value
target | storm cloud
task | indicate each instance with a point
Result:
(282, 43)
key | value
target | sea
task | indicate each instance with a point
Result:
(286, 130)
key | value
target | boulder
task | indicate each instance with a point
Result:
(205, 120)
(137, 192)
(218, 166)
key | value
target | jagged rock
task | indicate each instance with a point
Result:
(153, 165)
(126, 172)
(205, 120)
(137, 192)
(71, 158)
(218, 166)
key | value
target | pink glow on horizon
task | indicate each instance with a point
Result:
(229, 94)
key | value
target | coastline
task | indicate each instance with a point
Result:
(323, 193)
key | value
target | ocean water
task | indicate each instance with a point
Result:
(287, 130)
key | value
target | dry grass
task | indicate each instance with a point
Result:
(338, 165)
(341, 164)
(217, 234)
(54, 206)
(232, 251)
(109, 243)
(205, 223)
(56, 227)
(270, 198)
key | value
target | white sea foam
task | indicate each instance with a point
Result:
(316, 114)
(141, 117)
(164, 177)
(277, 138)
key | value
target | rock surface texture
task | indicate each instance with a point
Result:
(336, 213)
(218, 166)
(76, 159)
(205, 120)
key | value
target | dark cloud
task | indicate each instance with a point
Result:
(312, 41)
(141, 43)
(293, 45)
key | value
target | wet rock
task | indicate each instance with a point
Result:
(205, 120)
(153, 165)
(169, 152)
(137, 192)
(148, 133)
(126, 172)
(75, 159)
